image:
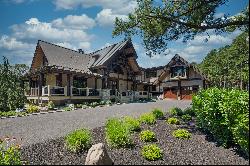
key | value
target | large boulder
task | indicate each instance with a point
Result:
(97, 155)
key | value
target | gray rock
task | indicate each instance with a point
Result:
(97, 155)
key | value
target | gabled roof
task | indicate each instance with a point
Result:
(66, 58)
(173, 60)
(72, 60)
(108, 52)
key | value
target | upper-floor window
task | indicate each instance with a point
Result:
(150, 74)
(178, 71)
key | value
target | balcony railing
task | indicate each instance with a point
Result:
(85, 91)
(104, 93)
(54, 91)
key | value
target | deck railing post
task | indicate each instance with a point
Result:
(48, 90)
(65, 91)
(87, 91)
(71, 90)
(43, 91)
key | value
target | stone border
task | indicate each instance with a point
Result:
(54, 111)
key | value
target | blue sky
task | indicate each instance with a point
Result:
(88, 24)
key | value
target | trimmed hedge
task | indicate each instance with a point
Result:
(224, 113)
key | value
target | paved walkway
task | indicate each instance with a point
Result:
(38, 128)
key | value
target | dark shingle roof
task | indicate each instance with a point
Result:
(66, 58)
(72, 60)
(178, 57)
(108, 52)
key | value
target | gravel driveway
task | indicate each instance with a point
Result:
(38, 128)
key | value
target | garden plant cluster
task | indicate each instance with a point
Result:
(220, 112)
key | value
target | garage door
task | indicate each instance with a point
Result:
(170, 93)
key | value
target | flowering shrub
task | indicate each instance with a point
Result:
(51, 105)
(9, 152)
(32, 108)
(225, 114)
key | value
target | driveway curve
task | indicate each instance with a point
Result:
(39, 128)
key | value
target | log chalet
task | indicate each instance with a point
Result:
(63, 75)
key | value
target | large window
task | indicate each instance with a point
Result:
(150, 74)
(178, 71)
(59, 79)
(80, 82)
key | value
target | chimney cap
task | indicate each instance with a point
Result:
(80, 51)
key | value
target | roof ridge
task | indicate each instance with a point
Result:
(108, 46)
(59, 46)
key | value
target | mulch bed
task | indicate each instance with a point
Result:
(197, 151)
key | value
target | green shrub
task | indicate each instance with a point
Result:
(158, 113)
(94, 104)
(186, 117)
(78, 105)
(181, 133)
(9, 113)
(78, 140)
(21, 113)
(85, 103)
(225, 114)
(51, 105)
(189, 111)
(152, 152)
(147, 136)
(132, 123)
(84, 106)
(32, 108)
(67, 109)
(173, 121)
(102, 102)
(148, 118)
(9, 155)
(108, 102)
(117, 134)
(176, 111)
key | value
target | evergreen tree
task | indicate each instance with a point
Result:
(11, 93)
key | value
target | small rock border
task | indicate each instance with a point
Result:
(51, 111)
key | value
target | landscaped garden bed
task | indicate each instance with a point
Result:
(198, 149)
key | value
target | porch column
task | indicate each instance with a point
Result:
(41, 78)
(179, 90)
(69, 84)
(95, 83)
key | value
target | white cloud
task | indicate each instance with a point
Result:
(110, 8)
(106, 17)
(11, 43)
(219, 15)
(34, 29)
(74, 22)
(119, 6)
(22, 40)
(15, 50)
